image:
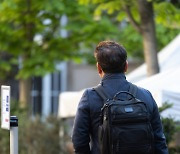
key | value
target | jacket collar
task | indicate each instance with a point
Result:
(110, 76)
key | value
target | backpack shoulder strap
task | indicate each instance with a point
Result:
(133, 89)
(100, 91)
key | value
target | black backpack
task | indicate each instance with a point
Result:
(124, 126)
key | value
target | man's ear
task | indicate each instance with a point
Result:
(99, 68)
(100, 71)
(126, 66)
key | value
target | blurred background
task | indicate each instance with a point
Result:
(46, 56)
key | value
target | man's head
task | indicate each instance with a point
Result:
(111, 57)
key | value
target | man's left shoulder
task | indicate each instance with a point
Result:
(143, 91)
(145, 96)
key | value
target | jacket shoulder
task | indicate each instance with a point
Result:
(146, 96)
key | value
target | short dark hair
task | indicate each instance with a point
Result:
(111, 57)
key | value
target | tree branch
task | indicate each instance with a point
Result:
(131, 19)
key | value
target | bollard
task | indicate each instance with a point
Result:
(13, 135)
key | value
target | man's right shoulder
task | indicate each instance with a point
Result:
(94, 100)
(90, 91)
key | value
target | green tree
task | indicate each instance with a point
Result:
(30, 37)
(141, 15)
(22, 21)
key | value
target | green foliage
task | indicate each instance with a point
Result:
(165, 35)
(110, 7)
(5, 68)
(40, 137)
(165, 106)
(131, 40)
(4, 141)
(91, 30)
(36, 136)
(170, 127)
(167, 14)
(85, 31)
(89, 22)
(175, 150)
(21, 22)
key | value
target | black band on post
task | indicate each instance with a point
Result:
(13, 121)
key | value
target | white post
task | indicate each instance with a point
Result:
(14, 135)
(46, 95)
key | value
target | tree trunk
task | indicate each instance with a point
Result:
(149, 38)
(25, 84)
(25, 92)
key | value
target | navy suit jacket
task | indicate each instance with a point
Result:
(85, 129)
